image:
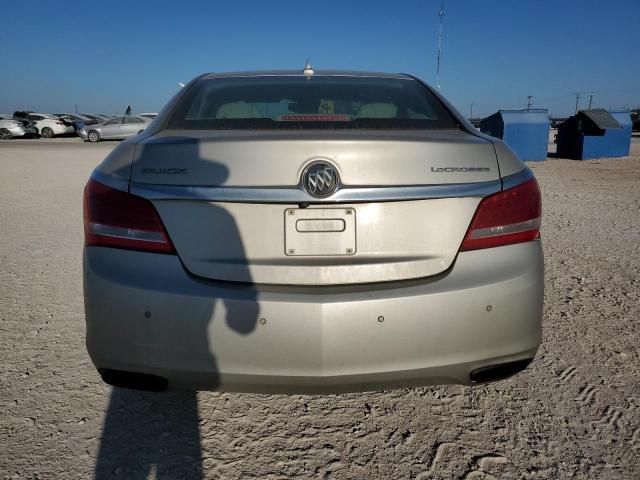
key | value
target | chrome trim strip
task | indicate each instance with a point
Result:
(517, 178)
(126, 233)
(527, 225)
(296, 195)
(111, 181)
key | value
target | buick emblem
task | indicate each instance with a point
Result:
(320, 179)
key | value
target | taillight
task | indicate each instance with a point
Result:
(113, 218)
(507, 217)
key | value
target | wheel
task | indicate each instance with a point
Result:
(46, 132)
(5, 134)
(140, 132)
(93, 136)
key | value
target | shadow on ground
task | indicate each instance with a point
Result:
(158, 432)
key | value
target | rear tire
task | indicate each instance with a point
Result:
(46, 132)
(93, 136)
(5, 134)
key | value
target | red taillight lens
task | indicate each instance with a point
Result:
(507, 217)
(118, 219)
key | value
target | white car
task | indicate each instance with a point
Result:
(49, 125)
(12, 128)
(148, 115)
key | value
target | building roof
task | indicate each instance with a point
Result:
(601, 118)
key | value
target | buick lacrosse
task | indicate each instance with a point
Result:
(311, 231)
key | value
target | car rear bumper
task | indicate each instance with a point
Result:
(146, 314)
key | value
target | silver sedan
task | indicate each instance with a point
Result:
(303, 231)
(117, 128)
(14, 128)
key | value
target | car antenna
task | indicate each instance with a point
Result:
(308, 69)
(441, 14)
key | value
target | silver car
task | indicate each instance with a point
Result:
(117, 128)
(97, 117)
(302, 231)
(13, 128)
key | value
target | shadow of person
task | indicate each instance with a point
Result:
(158, 433)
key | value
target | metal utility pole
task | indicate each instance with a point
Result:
(471, 114)
(577, 100)
(441, 14)
(591, 95)
(529, 97)
(76, 108)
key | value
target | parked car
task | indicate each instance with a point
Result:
(554, 122)
(150, 116)
(117, 128)
(49, 125)
(77, 121)
(23, 117)
(13, 128)
(296, 231)
(97, 117)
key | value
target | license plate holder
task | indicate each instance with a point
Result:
(319, 231)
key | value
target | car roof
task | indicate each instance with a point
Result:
(300, 73)
(79, 115)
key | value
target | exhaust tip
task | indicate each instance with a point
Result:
(494, 373)
(133, 380)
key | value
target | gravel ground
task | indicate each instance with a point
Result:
(575, 413)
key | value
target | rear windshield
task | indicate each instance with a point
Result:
(319, 102)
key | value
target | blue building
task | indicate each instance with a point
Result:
(525, 131)
(595, 133)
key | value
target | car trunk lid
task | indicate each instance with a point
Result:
(234, 209)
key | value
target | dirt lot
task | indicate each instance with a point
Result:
(575, 413)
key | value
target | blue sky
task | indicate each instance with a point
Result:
(104, 56)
